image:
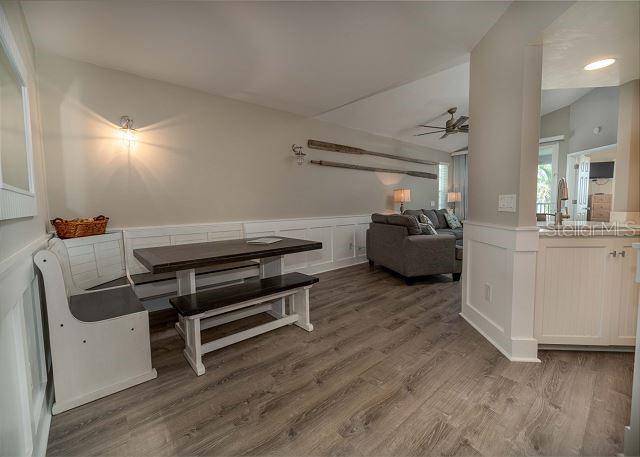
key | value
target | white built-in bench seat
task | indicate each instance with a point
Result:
(99, 339)
(105, 304)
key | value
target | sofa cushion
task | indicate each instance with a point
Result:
(452, 221)
(410, 222)
(427, 229)
(442, 221)
(433, 217)
(379, 218)
(413, 212)
(457, 233)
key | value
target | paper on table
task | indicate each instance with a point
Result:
(264, 241)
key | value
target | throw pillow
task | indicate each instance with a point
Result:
(452, 221)
(424, 219)
(427, 229)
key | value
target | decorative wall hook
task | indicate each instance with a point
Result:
(298, 154)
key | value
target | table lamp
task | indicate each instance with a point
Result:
(402, 196)
(453, 197)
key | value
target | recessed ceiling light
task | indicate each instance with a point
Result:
(598, 64)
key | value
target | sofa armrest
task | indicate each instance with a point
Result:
(429, 254)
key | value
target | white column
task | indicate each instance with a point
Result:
(500, 246)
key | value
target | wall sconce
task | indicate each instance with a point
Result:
(298, 154)
(127, 132)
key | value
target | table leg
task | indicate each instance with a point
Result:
(186, 280)
(273, 266)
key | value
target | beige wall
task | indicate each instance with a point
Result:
(556, 123)
(199, 157)
(505, 113)
(627, 193)
(17, 233)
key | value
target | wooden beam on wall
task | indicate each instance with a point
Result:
(418, 174)
(324, 146)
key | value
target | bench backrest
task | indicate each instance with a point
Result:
(168, 236)
(58, 248)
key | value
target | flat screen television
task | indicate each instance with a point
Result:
(601, 170)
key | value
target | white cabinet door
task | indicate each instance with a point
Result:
(572, 306)
(625, 296)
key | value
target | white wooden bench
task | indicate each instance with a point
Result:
(99, 339)
(208, 309)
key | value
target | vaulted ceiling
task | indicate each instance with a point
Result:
(381, 67)
(303, 57)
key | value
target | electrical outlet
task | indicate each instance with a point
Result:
(488, 292)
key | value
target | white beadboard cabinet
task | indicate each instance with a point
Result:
(585, 291)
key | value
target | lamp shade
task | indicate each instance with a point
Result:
(454, 197)
(402, 195)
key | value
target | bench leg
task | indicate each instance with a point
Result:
(186, 280)
(301, 308)
(192, 345)
(273, 266)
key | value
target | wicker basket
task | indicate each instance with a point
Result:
(76, 228)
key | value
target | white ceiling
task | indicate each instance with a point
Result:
(396, 113)
(302, 57)
(590, 31)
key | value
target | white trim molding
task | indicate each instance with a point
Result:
(26, 395)
(498, 286)
(15, 202)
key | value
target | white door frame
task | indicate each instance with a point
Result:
(572, 175)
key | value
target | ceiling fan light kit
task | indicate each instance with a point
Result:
(451, 127)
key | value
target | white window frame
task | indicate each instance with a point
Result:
(443, 185)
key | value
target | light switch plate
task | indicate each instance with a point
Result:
(507, 203)
(433, 204)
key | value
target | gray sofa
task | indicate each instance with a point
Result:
(396, 242)
(436, 216)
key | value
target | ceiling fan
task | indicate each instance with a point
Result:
(452, 126)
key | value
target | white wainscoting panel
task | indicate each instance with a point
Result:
(25, 400)
(498, 286)
(343, 240)
(98, 259)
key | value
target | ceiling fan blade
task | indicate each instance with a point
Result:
(428, 133)
(463, 129)
(461, 120)
(444, 136)
(430, 126)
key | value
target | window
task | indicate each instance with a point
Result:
(443, 184)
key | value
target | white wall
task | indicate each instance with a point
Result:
(24, 397)
(199, 157)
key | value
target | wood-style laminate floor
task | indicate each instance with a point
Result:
(389, 370)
